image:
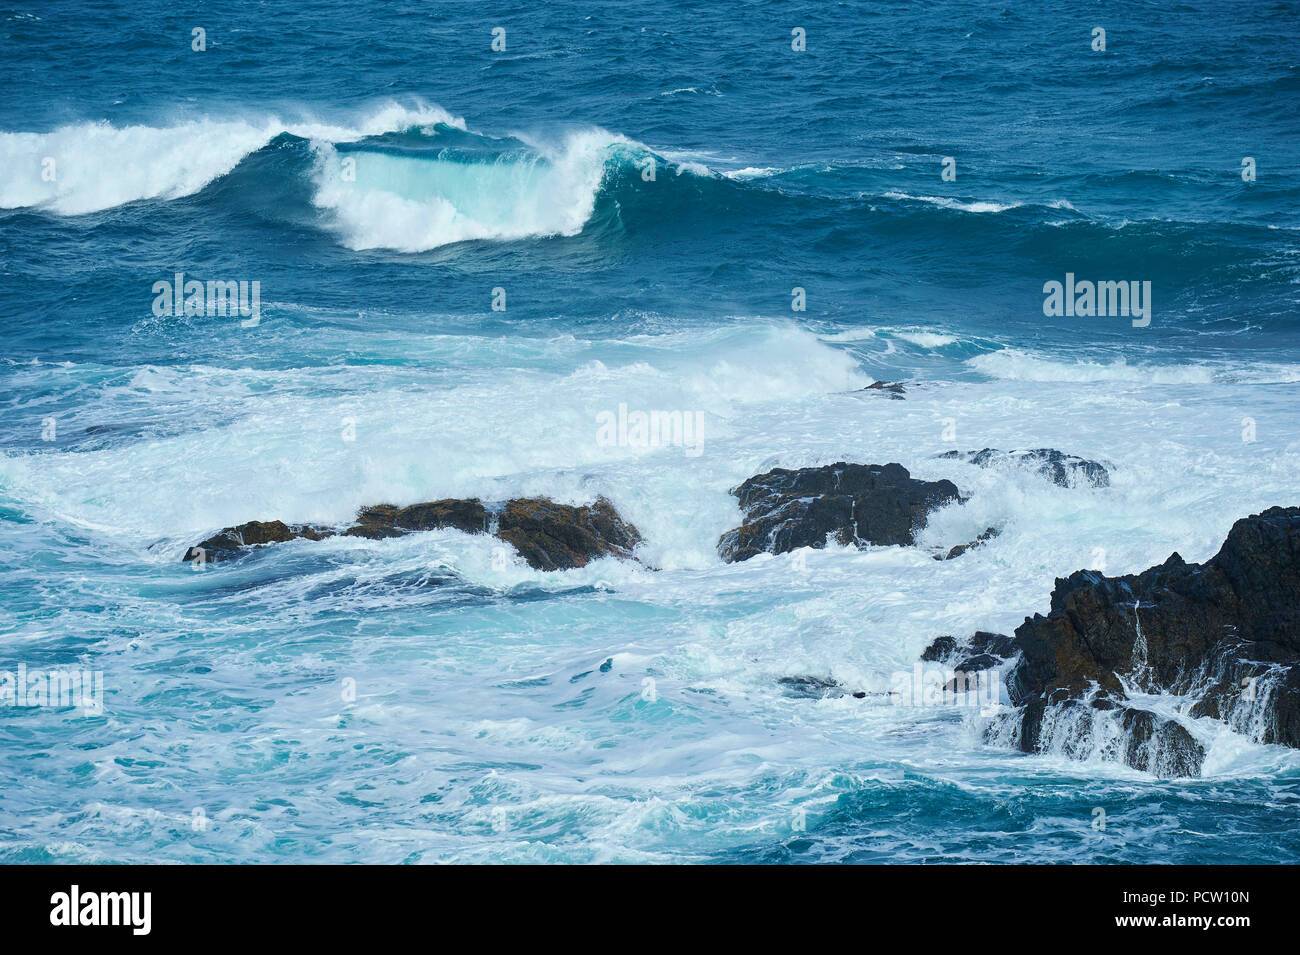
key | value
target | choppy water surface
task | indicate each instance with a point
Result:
(415, 700)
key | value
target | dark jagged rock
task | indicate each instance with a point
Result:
(378, 514)
(998, 644)
(1100, 728)
(960, 549)
(387, 520)
(1159, 746)
(894, 389)
(940, 649)
(969, 658)
(980, 661)
(373, 530)
(230, 541)
(1066, 470)
(1226, 633)
(554, 536)
(548, 536)
(852, 503)
(468, 516)
(995, 647)
(983, 651)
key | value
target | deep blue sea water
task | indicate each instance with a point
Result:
(386, 176)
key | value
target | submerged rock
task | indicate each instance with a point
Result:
(851, 503)
(816, 688)
(1225, 633)
(547, 535)
(230, 541)
(983, 651)
(1067, 470)
(988, 535)
(894, 389)
(982, 644)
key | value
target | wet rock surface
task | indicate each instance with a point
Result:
(988, 535)
(552, 536)
(894, 389)
(970, 654)
(231, 541)
(549, 536)
(1067, 470)
(1098, 727)
(849, 503)
(1225, 633)
(982, 651)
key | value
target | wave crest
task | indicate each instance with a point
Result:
(415, 202)
(90, 167)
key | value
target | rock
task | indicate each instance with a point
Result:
(940, 649)
(975, 682)
(468, 516)
(980, 661)
(548, 536)
(852, 503)
(894, 389)
(1225, 633)
(380, 521)
(817, 688)
(1160, 746)
(960, 549)
(1260, 700)
(811, 687)
(998, 644)
(378, 514)
(230, 541)
(1067, 470)
(983, 649)
(373, 531)
(1100, 728)
(552, 536)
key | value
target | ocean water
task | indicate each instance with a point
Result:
(642, 187)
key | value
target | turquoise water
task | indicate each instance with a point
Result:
(434, 699)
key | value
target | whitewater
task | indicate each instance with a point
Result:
(465, 271)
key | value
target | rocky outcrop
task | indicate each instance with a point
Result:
(966, 659)
(988, 535)
(231, 541)
(894, 389)
(982, 651)
(547, 535)
(1224, 634)
(552, 536)
(1067, 470)
(1098, 728)
(385, 520)
(849, 503)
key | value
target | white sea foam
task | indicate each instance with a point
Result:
(88, 167)
(850, 335)
(1013, 364)
(753, 172)
(923, 338)
(248, 443)
(950, 203)
(416, 204)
